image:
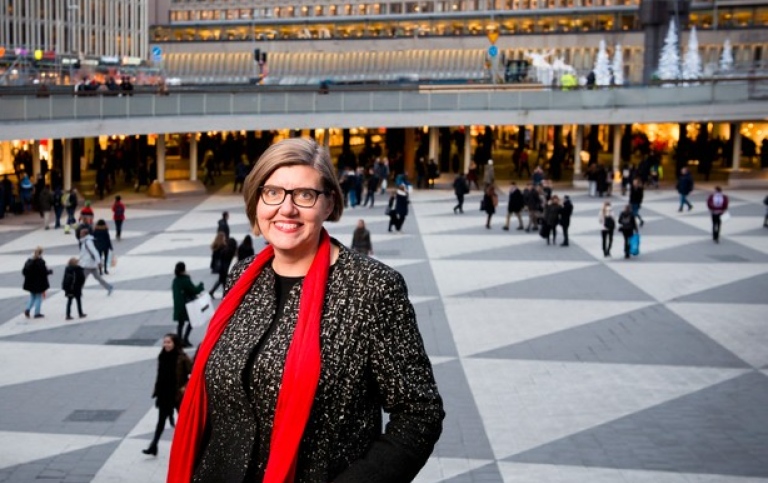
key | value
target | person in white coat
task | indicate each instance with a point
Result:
(90, 259)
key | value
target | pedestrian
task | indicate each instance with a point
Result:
(26, 189)
(223, 224)
(460, 188)
(86, 214)
(45, 204)
(489, 176)
(489, 203)
(72, 284)
(636, 192)
(515, 206)
(36, 282)
(552, 218)
(218, 246)
(103, 244)
(398, 207)
(684, 188)
(256, 411)
(241, 171)
(118, 216)
(361, 239)
(535, 206)
(565, 218)
(371, 186)
(608, 225)
(765, 220)
(245, 249)
(173, 369)
(717, 203)
(71, 206)
(89, 258)
(627, 226)
(58, 206)
(226, 255)
(184, 291)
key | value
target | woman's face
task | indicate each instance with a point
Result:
(291, 230)
(168, 344)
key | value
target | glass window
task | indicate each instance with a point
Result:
(412, 7)
(333, 10)
(396, 8)
(761, 17)
(231, 14)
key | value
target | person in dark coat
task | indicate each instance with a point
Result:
(490, 202)
(58, 207)
(717, 203)
(399, 207)
(103, 244)
(72, 284)
(636, 192)
(45, 205)
(684, 188)
(515, 206)
(552, 218)
(228, 252)
(565, 218)
(223, 224)
(183, 291)
(245, 249)
(361, 239)
(460, 188)
(627, 227)
(173, 370)
(36, 281)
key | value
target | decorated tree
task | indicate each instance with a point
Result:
(692, 59)
(602, 67)
(726, 59)
(669, 63)
(618, 66)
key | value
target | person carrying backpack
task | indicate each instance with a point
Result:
(627, 227)
(72, 284)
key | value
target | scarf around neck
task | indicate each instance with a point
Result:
(301, 374)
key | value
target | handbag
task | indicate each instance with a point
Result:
(725, 216)
(200, 310)
(634, 244)
(112, 260)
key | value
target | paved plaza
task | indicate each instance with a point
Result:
(556, 364)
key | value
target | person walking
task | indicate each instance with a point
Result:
(489, 203)
(245, 249)
(71, 206)
(72, 284)
(398, 203)
(226, 255)
(627, 227)
(36, 282)
(489, 176)
(460, 188)
(565, 218)
(717, 203)
(552, 218)
(608, 224)
(103, 244)
(26, 189)
(371, 186)
(89, 258)
(535, 206)
(45, 204)
(183, 291)
(223, 224)
(118, 216)
(58, 207)
(636, 192)
(515, 207)
(361, 239)
(218, 246)
(173, 370)
(684, 188)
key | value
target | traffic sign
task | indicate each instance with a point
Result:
(157, 54)
(493, 51)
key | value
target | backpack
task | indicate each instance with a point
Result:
(69, 281)
(625, 220)
(609, 223)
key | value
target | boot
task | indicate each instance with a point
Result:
(152, 450)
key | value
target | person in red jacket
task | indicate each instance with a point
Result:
(717, 204)
(118, 215)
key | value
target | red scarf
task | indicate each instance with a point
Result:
(300, 374)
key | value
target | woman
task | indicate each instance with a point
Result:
(218, 246)
(627, 227)
(72, 284)
(255, 411)
(103, 244)
(490, 201)
(398, 204)
(245, 249)
(361, 239)
(118, 216)
(173, 368)
(225, 260)
(36, 281)
(183, 291)
(552, 218)
(608, 224)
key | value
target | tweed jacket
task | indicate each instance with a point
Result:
(372, 359)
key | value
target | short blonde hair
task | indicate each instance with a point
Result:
(292, 152)
(38, 252)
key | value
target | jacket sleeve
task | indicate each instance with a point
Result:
(403, 374)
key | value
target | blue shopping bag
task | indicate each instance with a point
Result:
(634, 244)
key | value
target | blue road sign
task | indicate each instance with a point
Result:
(493, 51)
(157, 54)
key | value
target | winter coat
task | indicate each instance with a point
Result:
(516, 202)
(552, 214)
(46, 200)
(565, 213)
(173, 370)
(401, 203)
(627, 223)
(636, 195)
(183, 291)
(73, 281)
(685, 184)
(118, 210)
(36, 276)
(89, 254)
(102, 240)
(717, 208)
(361, 241)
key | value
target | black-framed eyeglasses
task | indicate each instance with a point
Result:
(302, 197)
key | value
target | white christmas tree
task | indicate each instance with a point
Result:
(692, 59)
(602, 67)
(669, 63)
(726, 59)
(618, 66)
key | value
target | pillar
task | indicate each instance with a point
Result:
(433, 140)
(193, 157)
(467, 148)
(35, 159)
(577, 147)
(67, 165)
(616, 148)
(736, 136)
(327, 138)
(409, 153)
(160, 149)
